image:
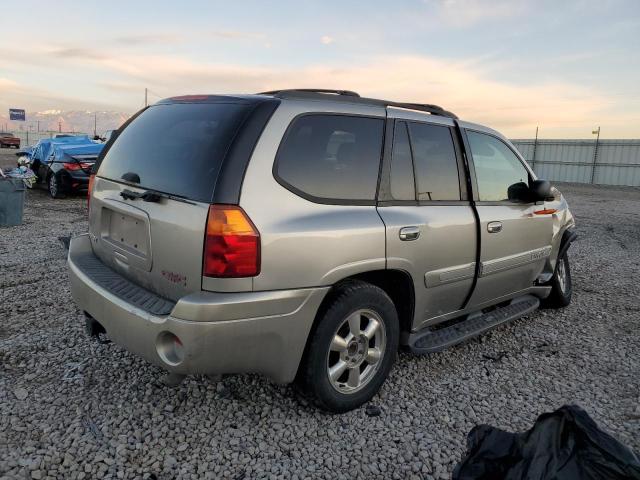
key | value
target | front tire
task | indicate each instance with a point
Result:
(351, 349)
(561, 285)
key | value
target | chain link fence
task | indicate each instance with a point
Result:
(31, 138)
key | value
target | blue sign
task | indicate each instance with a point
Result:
(17, 114)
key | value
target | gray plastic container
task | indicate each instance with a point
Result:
(12, 192)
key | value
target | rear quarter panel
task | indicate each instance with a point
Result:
(303, 243)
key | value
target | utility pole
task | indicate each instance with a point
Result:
(59, 127)
(146, 91)
(38, 126)
(95, 123)
(595, 154)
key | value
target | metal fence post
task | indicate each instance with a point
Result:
(595, 156)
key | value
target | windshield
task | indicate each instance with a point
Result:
(175, 148)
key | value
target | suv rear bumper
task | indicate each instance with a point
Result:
(261, 332)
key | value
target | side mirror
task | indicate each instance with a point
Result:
(540, 190)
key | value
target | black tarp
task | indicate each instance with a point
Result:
(562, 445)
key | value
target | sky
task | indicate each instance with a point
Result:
(565, 66)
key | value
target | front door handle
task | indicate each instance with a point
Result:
(494, 227)
(409, 233)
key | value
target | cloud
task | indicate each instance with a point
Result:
(458, 86)
(326, 40)
(122, 87)
(465, 13)
(148, 39)
(16, 95)
(232, 34)
(81, 53)
(472, 89)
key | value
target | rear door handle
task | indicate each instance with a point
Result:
(409, 233)
(494, 227)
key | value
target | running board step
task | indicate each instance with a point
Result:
(475, 324)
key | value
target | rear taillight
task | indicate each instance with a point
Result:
(92, 179)
(76, 166)
(231, 245)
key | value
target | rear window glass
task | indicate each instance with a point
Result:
(334, 157)
(175, 148)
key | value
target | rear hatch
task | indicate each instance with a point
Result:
(153, 188)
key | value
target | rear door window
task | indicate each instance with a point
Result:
(331, 157)
(436, 166)
(401, 178)
(175, 148)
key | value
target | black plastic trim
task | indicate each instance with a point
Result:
(123, 288)
(568, 237)
(430, 341)
(470, 175)
(231, 176)
(384, 183)
(423, 203)
(348, 93)
(382, 157)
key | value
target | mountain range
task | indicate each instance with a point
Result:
(81, 121)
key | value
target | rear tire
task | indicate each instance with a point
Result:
(351, 349)
(54, 185)
(561, 285)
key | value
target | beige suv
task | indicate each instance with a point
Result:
(307, 235)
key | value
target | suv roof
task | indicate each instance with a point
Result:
(349, 96)
(344, 96)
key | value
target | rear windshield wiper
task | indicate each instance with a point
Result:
(152, 196)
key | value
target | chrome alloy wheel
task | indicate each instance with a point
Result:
(562, 276)
(53, 186)
(357, 347)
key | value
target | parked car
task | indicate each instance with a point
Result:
(64, 164)
(306, 235)
(9, 140)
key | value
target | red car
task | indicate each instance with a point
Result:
(9, 140)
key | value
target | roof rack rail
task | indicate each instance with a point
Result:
(347, 93)
(424, 107)
(353, 97)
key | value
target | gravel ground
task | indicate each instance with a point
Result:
(70, 408)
